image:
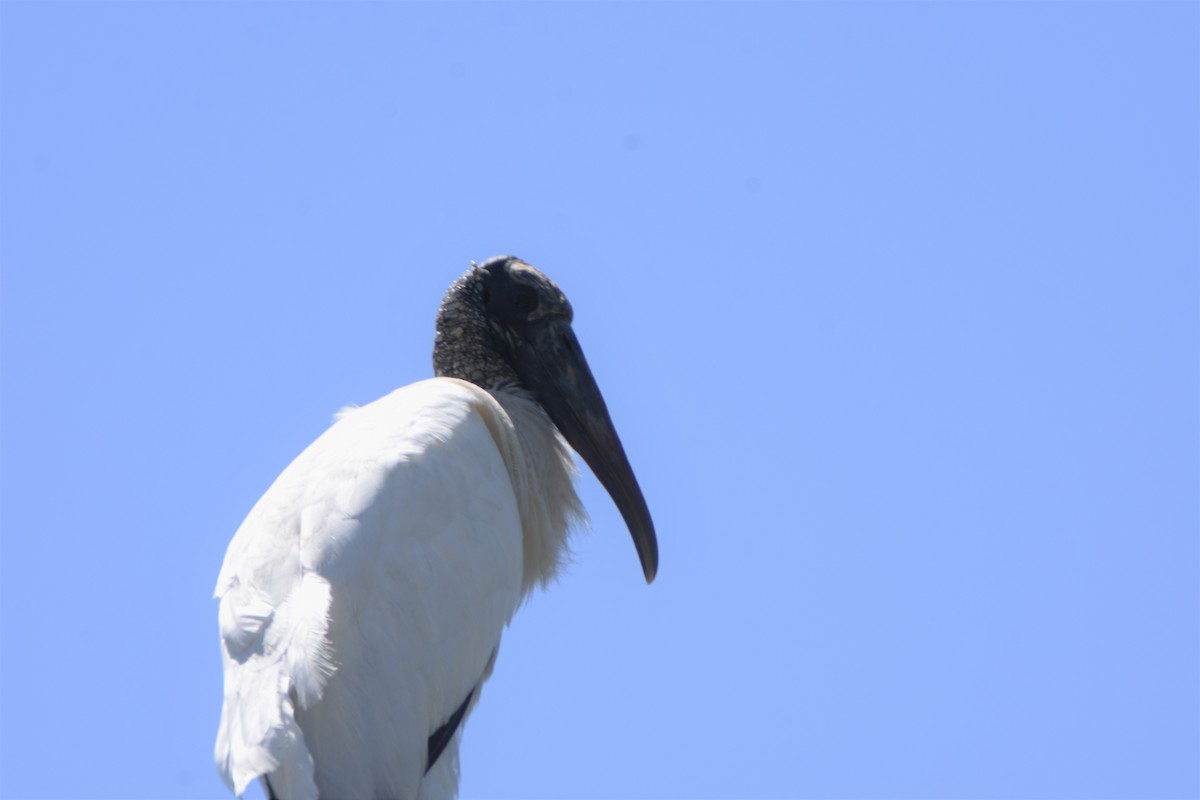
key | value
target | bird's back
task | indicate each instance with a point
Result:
(363, 598)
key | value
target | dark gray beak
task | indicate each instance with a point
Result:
(553, 367)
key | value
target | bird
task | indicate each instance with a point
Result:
(363, 598)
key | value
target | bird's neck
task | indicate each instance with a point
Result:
(544, 480)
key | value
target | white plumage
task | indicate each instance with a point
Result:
(363, 599)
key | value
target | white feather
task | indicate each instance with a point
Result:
(364, 596)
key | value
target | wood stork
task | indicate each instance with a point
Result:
(363, 598)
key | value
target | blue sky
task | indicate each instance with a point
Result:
(894, 306)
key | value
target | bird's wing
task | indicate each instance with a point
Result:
(365, 593)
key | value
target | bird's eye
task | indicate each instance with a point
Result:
(525, 302)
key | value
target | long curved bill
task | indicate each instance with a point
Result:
(555, 369)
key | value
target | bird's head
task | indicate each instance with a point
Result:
(505, 323)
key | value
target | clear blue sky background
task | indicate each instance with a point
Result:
(895, 307)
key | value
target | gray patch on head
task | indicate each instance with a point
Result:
(551, 299)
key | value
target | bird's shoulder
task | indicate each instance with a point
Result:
(370, 482)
